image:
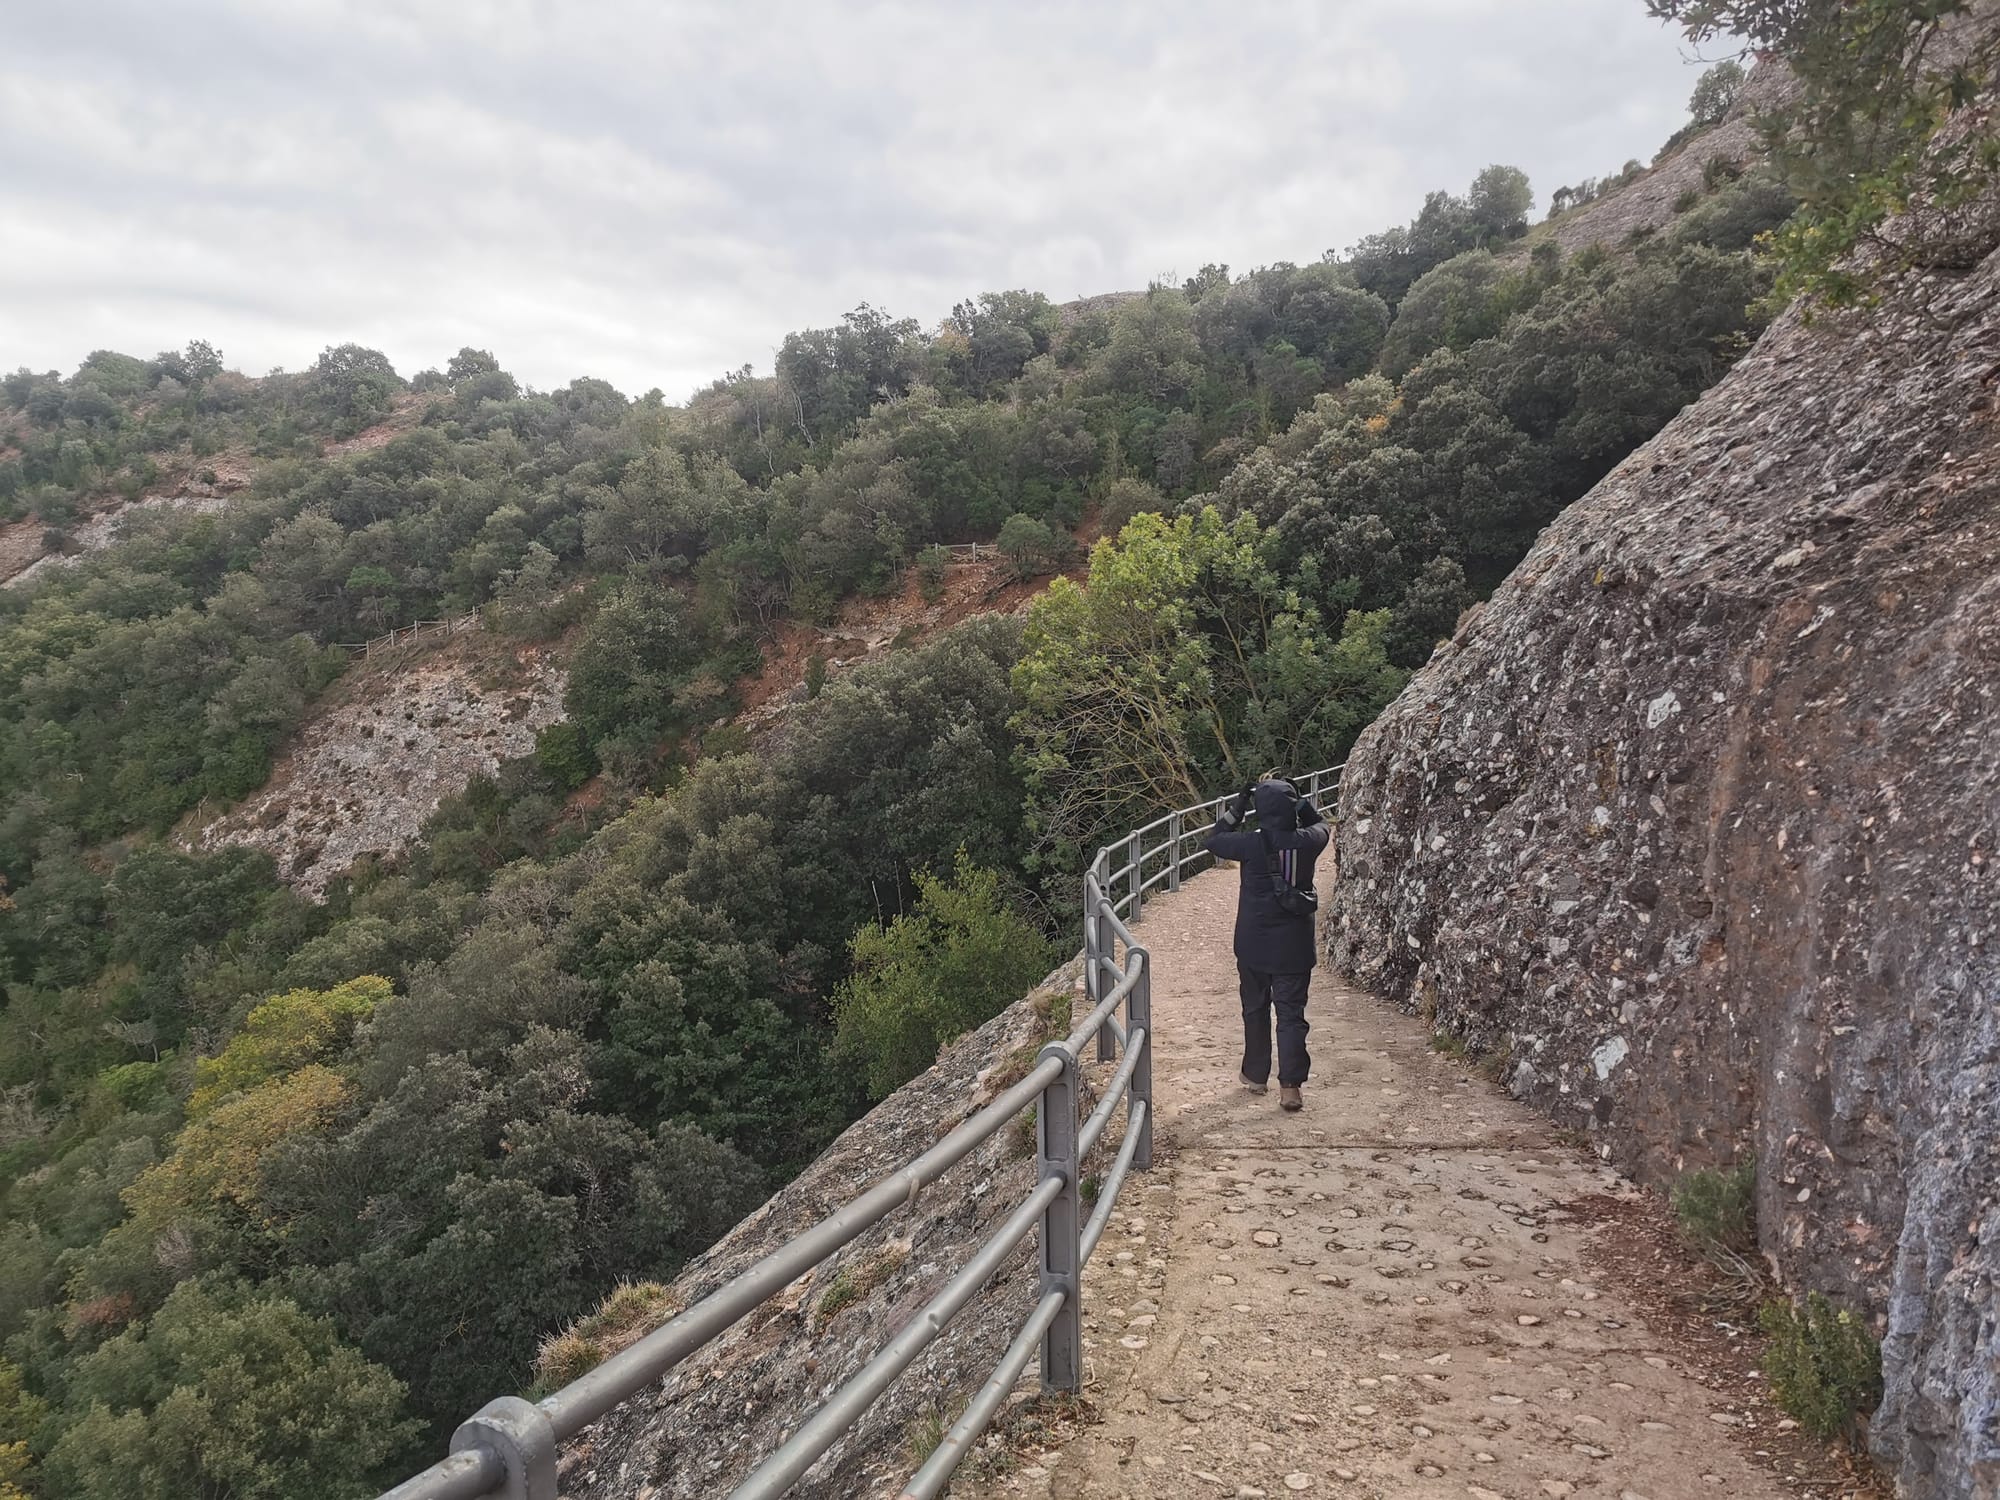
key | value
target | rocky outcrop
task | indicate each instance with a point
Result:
(1651, 200)
(372, 765)
(1697, 821)
(723, 1410)
(23, 557)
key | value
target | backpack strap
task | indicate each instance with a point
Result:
(1273, 862)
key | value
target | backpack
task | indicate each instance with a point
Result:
(1293, 900)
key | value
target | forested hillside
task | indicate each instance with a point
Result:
(291, 1186)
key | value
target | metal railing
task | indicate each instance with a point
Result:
(509, 1447)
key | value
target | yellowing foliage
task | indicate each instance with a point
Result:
(19, 1415)
(215, 1156)
(283, 1034)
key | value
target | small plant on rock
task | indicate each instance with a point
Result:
(1718, 1209)
(926, 1431)
(633, 1310)
(1825, 1366)
(852, 1283)
(1024, 1138)
(1449, 1044)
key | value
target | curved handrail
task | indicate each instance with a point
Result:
(509, 1447)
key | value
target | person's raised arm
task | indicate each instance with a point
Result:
(1226, 839)
(1314, 830)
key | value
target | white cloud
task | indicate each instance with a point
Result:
(657, 193)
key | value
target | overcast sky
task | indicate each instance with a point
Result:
(656, 192)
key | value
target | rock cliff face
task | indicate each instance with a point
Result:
(1698, 819)
(363, 775)
(701, 1430)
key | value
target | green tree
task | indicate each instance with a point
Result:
(1499, 203)
(1031, 547)
(1427, 613)
(1450, 306)
(230, 1394)
(21, 1414)
(957, 959)
(563, 752)
(1714, 92)
(666, 511)
(1178, 665)
(636, 656)
(354, 386)
(284, 1034)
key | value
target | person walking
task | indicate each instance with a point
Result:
(1275, 905)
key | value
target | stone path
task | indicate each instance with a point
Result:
(1387, 1294)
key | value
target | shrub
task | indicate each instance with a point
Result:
(955, 961)
(724, 741)
(931, 565)
(1823, 1364)
(815, 675)
(1717, 1210)
(1033, 547)
(563, 752)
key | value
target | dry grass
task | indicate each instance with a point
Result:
(633, 1310)
(921, 1440)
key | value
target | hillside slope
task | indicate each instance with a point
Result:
(1651, 200)
(1696, 822)
(702, 1428)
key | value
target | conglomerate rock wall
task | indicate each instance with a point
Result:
(1697, 822)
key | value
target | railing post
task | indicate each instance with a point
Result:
(524, 1438)
(1138, 877)
(1062, 1225)
(1094, 955)
(1174, 843)
(1138, 1013)
(1090, 983)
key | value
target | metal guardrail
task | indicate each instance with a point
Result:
(508, 1448)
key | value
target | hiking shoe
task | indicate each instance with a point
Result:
(1253, 1085)
(1289, 1100)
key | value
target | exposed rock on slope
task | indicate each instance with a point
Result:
(101, 530)
(699, 1432)
(1699, 819)
(1652, 199)
(366, 772)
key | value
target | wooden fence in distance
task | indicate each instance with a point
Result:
(407, 634)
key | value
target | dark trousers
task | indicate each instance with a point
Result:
(1287, 994)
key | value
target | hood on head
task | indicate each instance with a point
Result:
(1277, 807)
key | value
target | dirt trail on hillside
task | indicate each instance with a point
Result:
(1408, 1289)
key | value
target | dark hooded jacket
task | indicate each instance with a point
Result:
(1267, 939)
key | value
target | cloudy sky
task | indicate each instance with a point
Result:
(656, 192)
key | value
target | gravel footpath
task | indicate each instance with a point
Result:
(1399, 1291)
